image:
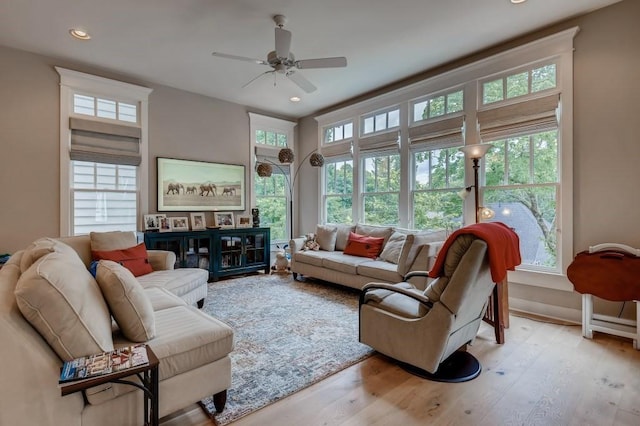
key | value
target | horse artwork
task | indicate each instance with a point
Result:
(174, 188)
(228, 191)
(206, 189)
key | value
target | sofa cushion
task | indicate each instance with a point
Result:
(422, 238)
(42, 247)
(311, 257)
(178, 281)
(393, 248)
(374, 231)
(133, 258)
(365, 246)
(188, 338)
(127, 301)
(326, 237)
(114, 240)
(380, 270)
(162, 298)
(342, 235)
(61, 300)
(343, 262)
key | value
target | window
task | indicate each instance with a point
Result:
(103, 165)
(438, 179)
(338, 132)
(104, 197)
(381, 189)
(272, 195)
(522, 188)
(533, 80)
(438, 106)
(380, 121)
(338, 191)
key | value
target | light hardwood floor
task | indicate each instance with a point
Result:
(545, 374)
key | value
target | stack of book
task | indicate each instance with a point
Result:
(91, 366)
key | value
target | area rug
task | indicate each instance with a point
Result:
(288, 335)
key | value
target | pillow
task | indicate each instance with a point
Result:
(62, 301)
(343, 235)
(363, 246)
(134, 258)
(42, 247)
(326, 237)
(129, 305)
(393, 248)
(114, 240)
(374, 231)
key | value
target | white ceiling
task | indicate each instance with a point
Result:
(170, 42)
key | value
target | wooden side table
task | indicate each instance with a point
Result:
(497, 313)
(148, 375)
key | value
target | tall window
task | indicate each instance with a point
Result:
(104, 151)
(339, 191)
(522, 188)
(272, 195)
(381, 189)
(438, 179)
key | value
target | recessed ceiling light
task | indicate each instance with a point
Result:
(294, 99)
(517, 1)
(79, 34)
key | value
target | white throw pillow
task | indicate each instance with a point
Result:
(63, 302)
(326, 237)
(392, 250)
(129, 305)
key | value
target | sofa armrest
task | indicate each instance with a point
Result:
(295, 245)
(161, 260)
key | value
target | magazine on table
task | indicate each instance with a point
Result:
(91, 366)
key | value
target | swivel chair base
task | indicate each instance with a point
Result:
(459, 367)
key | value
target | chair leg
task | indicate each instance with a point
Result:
(459, 367)
(219, 400)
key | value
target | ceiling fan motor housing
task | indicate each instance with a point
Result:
(280, 64)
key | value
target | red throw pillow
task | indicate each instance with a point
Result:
(363, 246)
(134, 258)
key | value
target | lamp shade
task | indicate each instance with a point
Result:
(316, 159)
(286, 155)
(264, 170)
(475, 151)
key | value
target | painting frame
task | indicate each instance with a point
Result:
(198, 222)
(164, 223)
(151, 222)
(193, 185)
(244, 221)
(179, 223)
(224, 220)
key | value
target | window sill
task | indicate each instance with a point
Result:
(540, 279)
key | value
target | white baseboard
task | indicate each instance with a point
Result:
(559, 313)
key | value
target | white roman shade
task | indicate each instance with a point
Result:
(101, 142)
(269, 154)
(382, 141)
(531, 116)
(438, 134)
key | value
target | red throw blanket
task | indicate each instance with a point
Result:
(502, 243)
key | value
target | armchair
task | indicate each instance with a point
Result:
(425, 329)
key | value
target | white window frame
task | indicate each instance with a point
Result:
(72, 82)
(556, 47)
(373, 115)
(362, 193)
(325, 196)
(277, 125)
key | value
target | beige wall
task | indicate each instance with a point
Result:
(181, 125)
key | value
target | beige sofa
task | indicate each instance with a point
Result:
(193, 347)
(403, 251)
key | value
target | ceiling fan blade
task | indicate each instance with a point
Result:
(240, 58)
(283, 43)
(257, 77)
(337, 62)
(301, 81)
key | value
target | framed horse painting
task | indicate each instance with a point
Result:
(188, 185)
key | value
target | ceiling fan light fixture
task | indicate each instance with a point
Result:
(79, 34)
(517, 1)
(295, 99)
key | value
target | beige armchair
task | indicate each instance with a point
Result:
(425, 329)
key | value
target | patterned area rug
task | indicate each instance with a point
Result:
(288, 335)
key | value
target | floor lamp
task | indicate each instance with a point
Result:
(286, 156)
(475, 153)
(497, 313)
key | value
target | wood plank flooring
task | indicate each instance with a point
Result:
(545, 374)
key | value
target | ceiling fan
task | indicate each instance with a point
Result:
(284, 62)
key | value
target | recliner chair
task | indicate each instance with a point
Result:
(424, 329)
